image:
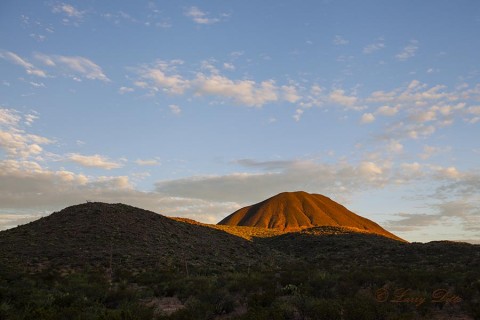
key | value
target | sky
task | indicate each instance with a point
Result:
(198, 108)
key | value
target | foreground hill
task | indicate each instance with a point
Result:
(114, 261)
(118, 235)
(293, 211)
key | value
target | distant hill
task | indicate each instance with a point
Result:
(294, 211)
(101, 234)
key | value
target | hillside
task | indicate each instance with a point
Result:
(100, 234)
(293, 211)
(114, 261)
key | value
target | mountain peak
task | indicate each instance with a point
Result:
(293, 211)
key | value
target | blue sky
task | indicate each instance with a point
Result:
(196, 109)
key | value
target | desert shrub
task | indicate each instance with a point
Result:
(127, 311)
(260, 300)
(321, 309)
(361, 308)
(278, 310)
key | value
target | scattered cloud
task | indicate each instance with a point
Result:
(298, 114)
(199, 16)
(339, 180)
(408, 52)
(159, 77)
(68, 10)
(371, 48)
(421, 110)
(38, 37)
(71, 15)
(367, 118)
(37, 84)
(246, 92)
(14, 140)
(228, 66)
(430, 151)
(96, 161)
(176, 110)
(118, 17)
(147, 162)
(73, 66)
(9, 117)
(340, 41)
(290, 94)
(464, 212)
(338, 96)
(16, 59)
(387, 111)
(412, 221)
(164, 77)
(394, 146)
(123, 90)
(30, 118)
(30, 188)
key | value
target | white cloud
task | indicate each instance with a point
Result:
(423, 116)
(339, 41)
(45, 59)
(37, 84)
(158, 80)
(68, 10)
(96, 161)
(419, 131)
(394, 146)
(74, 66)
(338, 96)
(124, 90)
(14, 140)
(176, 110)
(475, 110)
(367, 118)
(16, 59)
(429, 151)
(421, 109)
(411, 168)
(298, 114)
(208, 81)
(446, 173)
(30, 188)
(200, 17)
(290, 94)
(119, 16)
(387, 111)
(408, 52)
(9, 117)
(147, 162)
(371, 48)
(71, 15)
(460, 212)
(246, 92)
(228, 66)
(412, 221)
(338, 180)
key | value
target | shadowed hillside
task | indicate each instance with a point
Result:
(292, 211)
(114, 261)
(100, 234)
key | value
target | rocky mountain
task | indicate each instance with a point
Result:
(294, 211)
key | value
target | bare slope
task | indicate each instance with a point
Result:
(293, 211)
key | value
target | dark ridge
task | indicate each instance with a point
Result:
(100, 234)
